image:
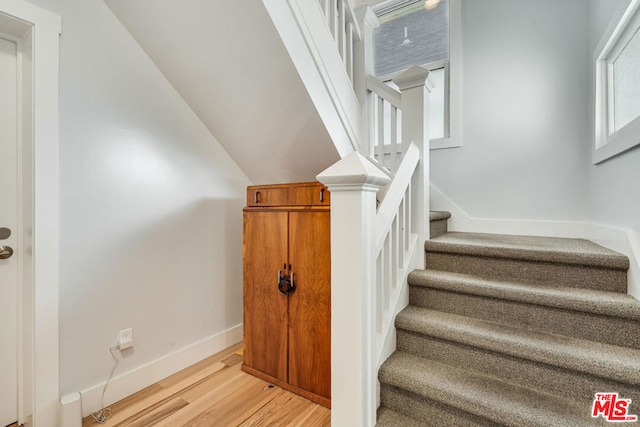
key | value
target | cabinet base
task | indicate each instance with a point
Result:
(321, 400)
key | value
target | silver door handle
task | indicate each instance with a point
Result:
(5, 252)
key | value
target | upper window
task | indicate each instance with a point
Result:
(418, 32)
(618, 88)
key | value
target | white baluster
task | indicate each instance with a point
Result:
(380, 139)
(393, 127)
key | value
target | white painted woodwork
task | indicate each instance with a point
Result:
(617, 238)
(311, 45)
(38, 31)
(343, 25)
(415, 88)
(353, 183)
(373, 288)
(397, 252)
(364, 66)
(612, 185)
(9, 219)
(611, 139)
(386, 144)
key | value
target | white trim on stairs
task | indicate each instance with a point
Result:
(313, 52)
(462, 221)
(615, 238)
(623, 241)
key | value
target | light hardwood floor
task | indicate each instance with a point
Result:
(215, 392)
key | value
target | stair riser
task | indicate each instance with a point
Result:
(552, 380)
(544, 273)
(437, 228)
(428, 411)
(609, 330)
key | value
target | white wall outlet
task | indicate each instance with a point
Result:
(126, 338)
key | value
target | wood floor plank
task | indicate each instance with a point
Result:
(320, 417)
(163, 411)
(215, 392)
(203, 364)
(234, 359)
(287, 409)
(156, 395)
(213, 385)
(128, 406)
(237, 406)
(200, 403)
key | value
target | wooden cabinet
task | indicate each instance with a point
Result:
(299, 194)
(287, 337)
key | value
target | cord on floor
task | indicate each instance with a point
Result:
(104, 414)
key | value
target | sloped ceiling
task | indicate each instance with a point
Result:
(228, 63)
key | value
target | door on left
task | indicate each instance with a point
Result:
(9, 268)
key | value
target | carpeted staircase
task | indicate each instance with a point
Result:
(512, 331)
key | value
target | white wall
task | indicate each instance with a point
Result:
(524, 112)
(151, 222)
(614, 185)
(228, 62)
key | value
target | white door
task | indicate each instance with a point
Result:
(8, 221)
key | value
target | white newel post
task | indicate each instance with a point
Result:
(353, 183)
(415, 86)
(364, 66)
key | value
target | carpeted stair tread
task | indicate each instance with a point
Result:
(612, 304)
(530, 248)
(497, 401)
(439, 215)
(593, 358)
(390, 418)
(438, 224)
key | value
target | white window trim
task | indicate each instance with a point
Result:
(608, 143)
(453, 82)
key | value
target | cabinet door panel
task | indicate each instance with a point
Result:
(310, 304)
(265, 308)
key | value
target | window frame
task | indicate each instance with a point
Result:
(453, 74)
(608, 142)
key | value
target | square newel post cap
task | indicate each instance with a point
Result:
(353, 173)
(416, 76)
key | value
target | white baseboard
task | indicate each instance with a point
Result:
(625, 242)
(617, 239)
(462, 221)
(133, 381)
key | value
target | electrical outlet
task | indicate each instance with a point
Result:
(126, 338)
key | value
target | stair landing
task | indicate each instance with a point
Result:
(550, 261)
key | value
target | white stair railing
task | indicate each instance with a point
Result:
(321, 38)
(385, 142)
(343, 25)
(381, 135)
(394, 253)
(372, 252)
